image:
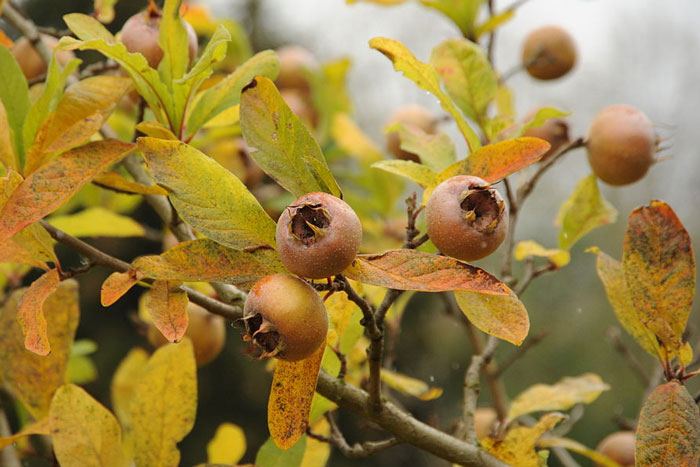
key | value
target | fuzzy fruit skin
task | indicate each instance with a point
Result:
(555, 131)
(484, 420)
(327, 254)
(30, 61)
(619, 447)
(452, 233)
(621, 145)
(555, 50)
(140, 34)
(293, 309)
(295, 61)
(413, 116)
(207, 332)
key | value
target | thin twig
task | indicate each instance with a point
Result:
(614, 336)
(531, 273)
(492, 37)
(520, 352)
(472, 387)
(357, 450)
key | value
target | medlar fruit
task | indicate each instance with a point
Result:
(285, 318)
(295, 62)
(466, 218)
(207, 332)
(554, 130)
(619, 447)
(414, 117)
(30, 61)
(140, 34)
(318, 236)
(549, 52)
(621, 145)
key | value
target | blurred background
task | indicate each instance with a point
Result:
(638, 52)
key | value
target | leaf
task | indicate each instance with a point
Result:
(417, 270)
(293, 387)
(40, 427)
(206, 195)
(156, 130)
(329, 94)
(166, 398)
(30, 312)
(463, 12)
(574, 446)
(317, 452)
(206, 261)
(613, 278)
(8, 158)
(540, 117)
(12, 252)
(81, 112)
(668, 433)
(494, 22)
(353, 140)
(98, 222)
(227, 446)
(117, 182)
(270, 455)
(125, 378)
(563, 395)
(584, 211)
(659, 268)
(167, 303)
(33, 378)
(425, 76)
(104, 10)
(83, 432)
(227, 92)
(173, 40)
(37, 241)
(14, 95)
(116, 285)
(467, 74)
(418, 173)
(286, 150)
(436, 151)
(518, 447)
(55, 182)
(503, 316)
(410, 386)
(529, 248)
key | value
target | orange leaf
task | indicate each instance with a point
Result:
(417, 270)
(117, 284)
(205, 260)
(55, 182)
(293, 387)
(31, 312)
(668, 434)
(659, 268)
(4, 40)
(496, 161)
(167, 304)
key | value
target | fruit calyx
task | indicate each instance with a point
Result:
(263, 336)
(482, 209)
(308, 222)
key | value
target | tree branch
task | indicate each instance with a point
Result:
(613, 335)
(27, 28)
(520, 352)
(472, 387)
(357, 450)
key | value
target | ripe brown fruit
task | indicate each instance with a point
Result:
(619, 447)
(549, 52)
(30, 61)
(285, 318)
(484, 421)
(554, 130)
(318, 235)
(301, 105)
(621, 145)
(295, 63)
(140, 34)
(207, 332)
(466, 218)
(414, 117)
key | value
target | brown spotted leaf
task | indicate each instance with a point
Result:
(503, 316)
(293, 387)
(167, 304)
(668, 434)
(116, 285)
(30, 313)
(417, 270)
(659, 268)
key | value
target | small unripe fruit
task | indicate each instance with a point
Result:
(295, 63)
(140, 34)
(285, 318)
(554, 130)
(484, 420)
(318, 236)
(619, 447)
(549, 52)
(414, 117)
(466, 218)
(621, 145)
(207, 332)
(30, 61)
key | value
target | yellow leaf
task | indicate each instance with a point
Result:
(353, 140)
(574, 446)
(30, 313)
(425, 76)
(503, 316)
(33, 378)
(518, 446)
(98, 222)
(418, 173)
(7, 153)
(156, 130)
(410, 386)
(527, 248)
(165, 397)
(228, 117)
(83, 432)
(37, 428)
(104, 10)
(167, 303)
(317, 452)
(118, 182)
(227, 446)
(124, 380)
(563, 395)
(293, 387)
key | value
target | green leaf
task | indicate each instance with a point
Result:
(494, 22)
(286, 150)
(206, 195)
(463, 12)
(98, 222)
(174, 42)
(329, 94)
(418, 173)
(270, 455)
(425, 76)
(214, 52)
(436, 151)
(227, 92)
(584, 211)
(14, 94)
(503, 316)
(541, 116)
(467, 74)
